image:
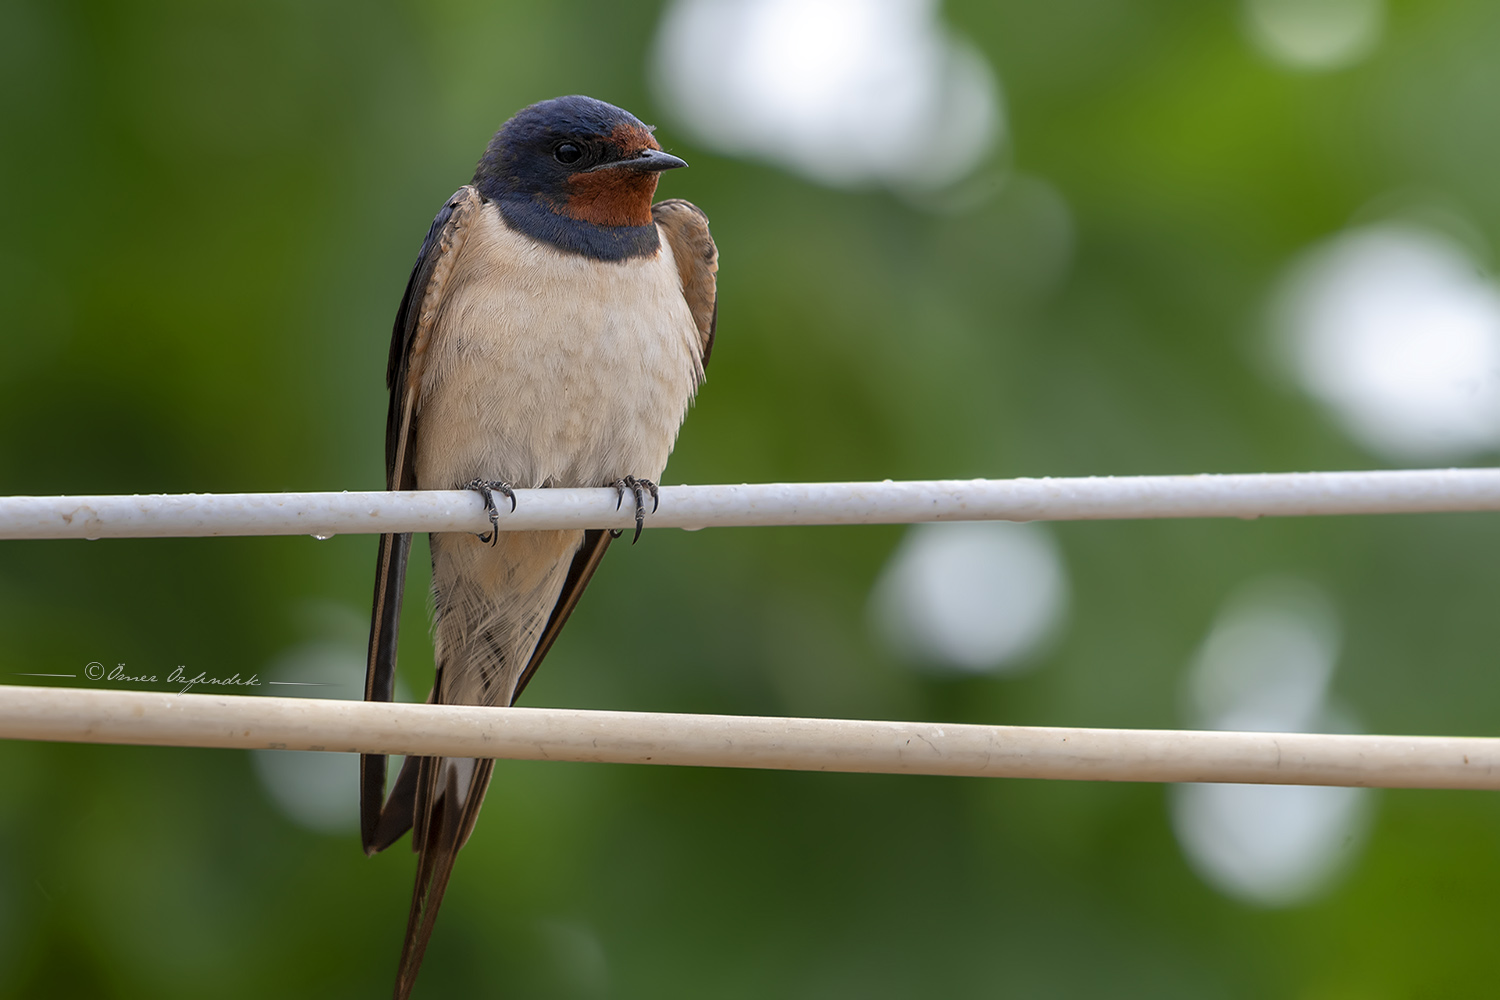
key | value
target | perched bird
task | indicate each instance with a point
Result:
(553, 333)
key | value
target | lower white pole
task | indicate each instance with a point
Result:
(212, 720)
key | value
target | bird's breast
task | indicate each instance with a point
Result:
(552, 369)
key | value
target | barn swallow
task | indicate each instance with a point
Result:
(553, 332)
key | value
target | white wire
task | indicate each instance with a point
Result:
(809, 744)
(692, 507)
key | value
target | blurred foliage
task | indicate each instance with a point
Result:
(209, 212)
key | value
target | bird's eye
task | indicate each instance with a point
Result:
(568, 152)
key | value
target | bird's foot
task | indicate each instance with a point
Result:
(639, 488)
(487, 489)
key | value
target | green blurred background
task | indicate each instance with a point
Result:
(207, 218)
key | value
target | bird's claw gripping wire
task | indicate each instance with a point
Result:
(638, 487)
(487, 489)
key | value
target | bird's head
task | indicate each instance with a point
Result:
(578, 158)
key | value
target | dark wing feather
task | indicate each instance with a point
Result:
(686, 229)
(414, 319)
(380, 674)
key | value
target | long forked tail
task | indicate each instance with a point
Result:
(448, 795)
(384, 818)
(438, 798)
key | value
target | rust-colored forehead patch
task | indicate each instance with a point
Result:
(633, 138)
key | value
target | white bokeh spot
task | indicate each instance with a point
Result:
(1397, 332)
(1272, 845)
(1266, 666)
(1267, 663)
(844, 91)
(1314, 34)
(317, 790)
(971, 597)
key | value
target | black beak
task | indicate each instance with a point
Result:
(646, 161)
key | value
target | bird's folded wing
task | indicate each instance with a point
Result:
(409, 341)
(686, 229)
